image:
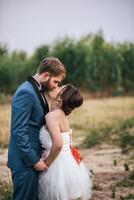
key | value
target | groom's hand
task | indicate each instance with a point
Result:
(40, 166)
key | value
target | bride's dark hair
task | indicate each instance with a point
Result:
(71, 98)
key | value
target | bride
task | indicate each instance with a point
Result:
(67, 177)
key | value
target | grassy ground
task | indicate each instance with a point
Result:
(4, 124)
(97, 113)
(92, 114)
(96, 120)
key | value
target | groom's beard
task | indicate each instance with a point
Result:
(46, 86)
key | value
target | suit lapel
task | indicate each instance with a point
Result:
(43, 104)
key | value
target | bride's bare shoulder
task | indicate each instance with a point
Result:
(53, 114)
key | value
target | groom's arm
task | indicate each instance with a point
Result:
(21, 110)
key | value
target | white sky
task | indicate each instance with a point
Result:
(26, 24)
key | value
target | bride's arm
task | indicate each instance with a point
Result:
(52, 123)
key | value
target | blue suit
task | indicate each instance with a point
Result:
(24, 151)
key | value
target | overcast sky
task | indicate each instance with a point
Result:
(26, 24)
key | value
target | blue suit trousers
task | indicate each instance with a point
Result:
(25, 184)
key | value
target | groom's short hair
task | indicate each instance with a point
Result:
(53, 66)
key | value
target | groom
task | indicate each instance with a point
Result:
(29, 107)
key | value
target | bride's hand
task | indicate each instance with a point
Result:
(40, 166)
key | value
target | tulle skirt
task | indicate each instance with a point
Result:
(65, 180)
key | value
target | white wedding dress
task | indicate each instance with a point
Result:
(65, 179)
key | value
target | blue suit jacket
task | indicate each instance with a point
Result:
(27, 117)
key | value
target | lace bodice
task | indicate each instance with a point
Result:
(46, 141)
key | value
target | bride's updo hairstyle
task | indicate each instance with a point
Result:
(71, 98)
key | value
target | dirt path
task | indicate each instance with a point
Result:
(102, 162)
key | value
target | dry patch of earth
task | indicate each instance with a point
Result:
(107, 164)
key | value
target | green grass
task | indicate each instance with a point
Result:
(126, 140)
(96, 114)
(5, 191)
(128, 182)
(129, 197)
(125, 183)
(99, 118)
(121, 133)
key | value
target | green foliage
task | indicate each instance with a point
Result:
(91, 63)
(39, 54)
(131, 175)
(115, 162)
(126, 52)
(104, 69)
(126, 166)
(122, 130)
(113, 187)
(5, 191)
(126, 140)
(129, 197)
(11, 67)
(96, 136)
(119, 91)
(128, 123)
(126, 135)
(3, 50)
(65, 51)
(2, 98)
(94, 139)
(128, 182)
